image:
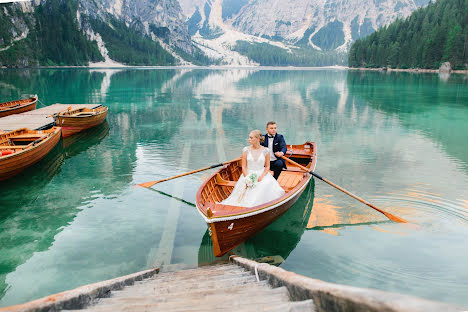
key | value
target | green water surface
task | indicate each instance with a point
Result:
(398, 140)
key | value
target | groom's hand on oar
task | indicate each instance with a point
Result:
(387, 214)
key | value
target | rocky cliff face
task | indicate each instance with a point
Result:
(160, 18)
(321, 24)
(151, 26)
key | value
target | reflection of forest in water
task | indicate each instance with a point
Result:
(424, 102)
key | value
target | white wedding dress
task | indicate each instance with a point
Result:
(263, 191)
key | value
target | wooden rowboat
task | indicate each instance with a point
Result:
(19, 106)
(73, 121)
(22, 148)
(229, 225)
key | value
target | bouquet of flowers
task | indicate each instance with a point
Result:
(251, 180)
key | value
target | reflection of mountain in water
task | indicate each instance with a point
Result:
(278, 239)
(415, 99)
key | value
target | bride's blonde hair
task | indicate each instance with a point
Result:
(258, 134)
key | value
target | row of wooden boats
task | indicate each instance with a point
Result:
(21, 148)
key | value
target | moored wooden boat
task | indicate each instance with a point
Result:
(73, 121)
(231, 225)
(19, 106)
(22, 148)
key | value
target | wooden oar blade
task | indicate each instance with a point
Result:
(148, 184)
(395, 218)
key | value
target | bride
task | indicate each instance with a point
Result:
(256, 185)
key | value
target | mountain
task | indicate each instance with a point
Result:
(170, 32)
(430, 36)
(323, 25)
(76, 32)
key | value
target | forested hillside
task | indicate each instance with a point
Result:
(428, 37)
(77, 32)
(52, 36)
(269, 55)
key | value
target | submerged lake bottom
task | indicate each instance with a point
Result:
(395, 139)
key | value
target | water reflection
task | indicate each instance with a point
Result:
(33, 216)
(278, 239)
(395, 140)
(422, 102)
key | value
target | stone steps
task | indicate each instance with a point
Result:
(183, 292)
(225, 287)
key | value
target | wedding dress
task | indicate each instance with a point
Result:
(263, 191)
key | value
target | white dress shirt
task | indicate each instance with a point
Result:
(270, 147)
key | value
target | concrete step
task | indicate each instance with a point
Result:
(176, 267)
(226, 295)
(293, 306)
(226, 301)
(173, 276)
(191, 285)
(205, 269)
(262, 285)
(192, 279)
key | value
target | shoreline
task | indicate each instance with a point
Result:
(408, 70)
(252, 67)
(93, 66)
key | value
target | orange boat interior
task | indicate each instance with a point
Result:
(11, 104)
(83, 112)
(220, 185)
(20, 139)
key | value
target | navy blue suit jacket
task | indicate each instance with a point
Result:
(279, 145)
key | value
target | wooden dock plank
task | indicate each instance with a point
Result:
(39, 118)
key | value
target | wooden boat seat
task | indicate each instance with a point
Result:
(289, 180)
(293, 169)
(82, 115)
(28, 136)
(13, 147)
(223, 182)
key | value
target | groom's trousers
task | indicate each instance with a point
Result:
(277, 167)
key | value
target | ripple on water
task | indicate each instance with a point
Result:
(429, 210)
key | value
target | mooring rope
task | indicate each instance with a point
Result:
(256, 272)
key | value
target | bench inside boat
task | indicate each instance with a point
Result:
(20, 139)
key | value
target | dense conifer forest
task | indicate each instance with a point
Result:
(268, 55)
(54, 38)
(428, 37)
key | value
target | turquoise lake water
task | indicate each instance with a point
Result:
(398, 140)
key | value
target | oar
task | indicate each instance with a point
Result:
(388, 215)
(151, 183)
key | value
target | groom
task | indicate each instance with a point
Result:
(277, 146)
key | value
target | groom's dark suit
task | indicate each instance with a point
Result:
(279, 145)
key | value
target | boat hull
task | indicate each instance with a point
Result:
(227, 235)
(74, 124)
(16, 107)
(13, 164)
